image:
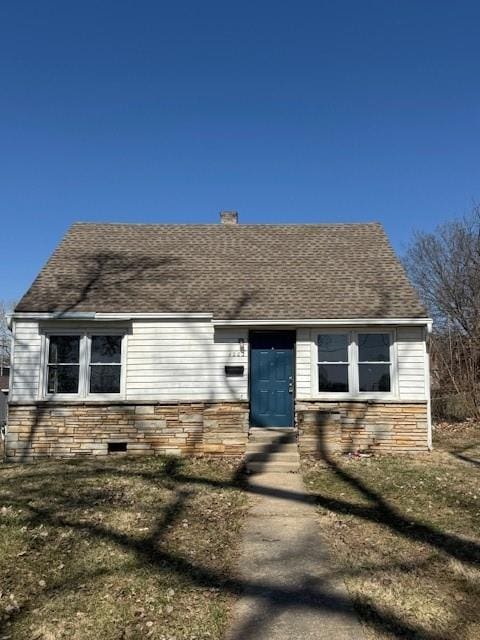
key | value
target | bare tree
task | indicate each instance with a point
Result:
(445, 268)
(5, 336)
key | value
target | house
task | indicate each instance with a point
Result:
(178, 339)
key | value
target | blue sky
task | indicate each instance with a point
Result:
(288, 112)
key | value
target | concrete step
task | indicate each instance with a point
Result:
(278, 456)
(273, 467)
(269, 436)
(272, 429)
(265, 447)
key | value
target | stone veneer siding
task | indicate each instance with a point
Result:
(351, 426)
(66, 430)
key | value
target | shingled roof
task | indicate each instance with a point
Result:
(233, 271)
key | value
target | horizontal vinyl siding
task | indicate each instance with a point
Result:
(411, 363)
(303, 363)
(26, 361)
(184, 361)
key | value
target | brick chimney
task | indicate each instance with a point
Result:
(229, 217)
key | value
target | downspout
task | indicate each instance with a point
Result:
(426, 332)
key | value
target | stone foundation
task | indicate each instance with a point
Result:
(366, 426)
(206, 428)
(69, 430)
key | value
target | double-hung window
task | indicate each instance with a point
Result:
(105, 364)
(354, 362)
(63, 364)
(374, 362)
(333, 362)
(84, 364)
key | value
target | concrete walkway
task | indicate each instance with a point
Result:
(290, 589)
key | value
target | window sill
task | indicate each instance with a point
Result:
(93, 397)
(370, 399)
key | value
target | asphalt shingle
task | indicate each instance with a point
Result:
(233, 271)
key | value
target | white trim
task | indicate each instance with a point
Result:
(315, 362)
(83, 393)
(124, 374)
(392, 362)
(88, 368)
(92, 315)
(394, 375)
(360, 398)
(83, 365)
(301, 322)
(291, 323)
(11, 373)
(353, 380)
(428, 392)
(42, 373)
(332, 322)
(151, 316)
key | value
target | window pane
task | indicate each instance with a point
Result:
(63, 378)
(374, 347)
(333, 347)
(64, 349)
(374, 377)
(105, 379)
(333, 377)
(106, 348)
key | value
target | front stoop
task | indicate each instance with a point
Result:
(272, 451)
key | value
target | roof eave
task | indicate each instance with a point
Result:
(308, 322)
(94, 316)
(222, 322)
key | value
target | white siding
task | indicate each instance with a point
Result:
(184, 361)
(303, 368)
(411, 363)
(26, 361)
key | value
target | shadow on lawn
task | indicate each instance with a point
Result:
(464, 458)
(313, 594)
(460, 454)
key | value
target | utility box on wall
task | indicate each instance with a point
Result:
(234, 370)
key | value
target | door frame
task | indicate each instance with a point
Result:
(293, 334)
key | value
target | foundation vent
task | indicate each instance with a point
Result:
(117, 447)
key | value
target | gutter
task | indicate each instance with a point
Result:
(226, 322)
(303, 322)
(94, 316)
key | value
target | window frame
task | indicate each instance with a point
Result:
(389, 362)
(84, 364)
(318, 362)
(49, 364)
(89, 363)
(353, 366)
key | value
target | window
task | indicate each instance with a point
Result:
(84, 364)
(374, 362)
(105, 364)
(333, 362)
(63, 364)
(354, 362)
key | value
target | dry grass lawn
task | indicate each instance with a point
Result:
(405, 532)
(117, 549)
(129, 548)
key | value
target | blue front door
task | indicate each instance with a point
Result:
(271, 378)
